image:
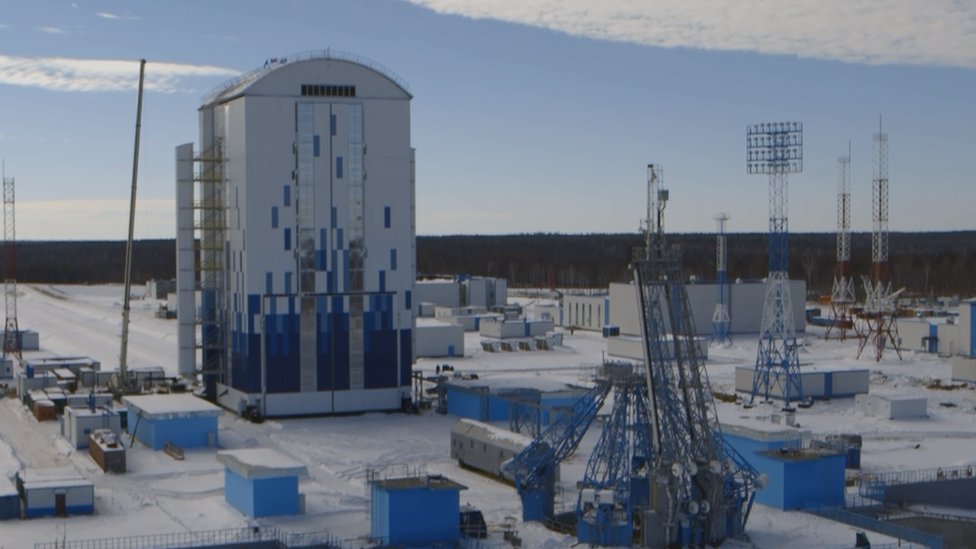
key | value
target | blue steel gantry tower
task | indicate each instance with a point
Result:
(721, 322)
(777, 149)
(701, 490)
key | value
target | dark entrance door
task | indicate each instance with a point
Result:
(60, 505)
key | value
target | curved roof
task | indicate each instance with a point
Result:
(239, 84)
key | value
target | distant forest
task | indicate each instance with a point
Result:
(925, 263)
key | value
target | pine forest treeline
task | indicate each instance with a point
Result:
(927, 264)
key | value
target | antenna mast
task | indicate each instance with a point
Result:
(842, 294)
(721, 322)
(11, 331)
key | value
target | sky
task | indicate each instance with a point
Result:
(527, 115)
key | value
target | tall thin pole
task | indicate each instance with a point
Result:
(123, 373)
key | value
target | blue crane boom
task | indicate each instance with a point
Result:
(534, 468)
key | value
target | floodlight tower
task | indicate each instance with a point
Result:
(11, 331)
(657, 200)
(842, 295)
(777, 149)
(721, 322)
(879, 301)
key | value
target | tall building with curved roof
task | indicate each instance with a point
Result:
(296, 226)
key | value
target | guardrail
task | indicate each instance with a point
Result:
(905, 533)
(209, 538)
(892, 478)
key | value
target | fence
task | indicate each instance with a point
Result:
(893, 478)
(252, 538)
(912, 535)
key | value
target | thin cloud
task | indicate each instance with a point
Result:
(52, 30)
(4, 26)
(918, 32)
(106, 15)
(90, 75)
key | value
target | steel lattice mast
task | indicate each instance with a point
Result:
(11, 331)
(842, 294)
(721, 321)
(879, 301)
(776, 149)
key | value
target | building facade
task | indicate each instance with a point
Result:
(296, 223)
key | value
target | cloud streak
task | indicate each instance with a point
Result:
(106, 15)
(916, 32)
(93, 75)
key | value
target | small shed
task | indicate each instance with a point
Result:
(180, 419)
(9, 500)
(415, 510)
(817, 382)
(892, 407)
(44, 410)
(261, 482)
(59, 492)
(496, 399)
(80, 422)
(107, 450)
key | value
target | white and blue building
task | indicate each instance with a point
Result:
(261, 482)
(415, 511)
(55, 492)
(181, 419)
(300, 200)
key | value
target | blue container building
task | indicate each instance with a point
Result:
(261, 482)
(180, 419)
(416, 512)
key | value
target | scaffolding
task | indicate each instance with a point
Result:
(210, 237)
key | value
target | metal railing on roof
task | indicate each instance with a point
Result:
(276, 62)
(880, 526)
(243, 537)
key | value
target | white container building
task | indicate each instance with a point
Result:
(891, 407)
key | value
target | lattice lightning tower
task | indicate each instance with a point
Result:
(879, 301)
(776, 149)
(842, 295)
(721, 322)
(11, 332)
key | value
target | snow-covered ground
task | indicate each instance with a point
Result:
(161, 495)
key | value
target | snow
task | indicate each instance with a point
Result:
(160, 495)
(172, 405)
(254, 463)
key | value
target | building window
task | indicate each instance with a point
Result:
(320, 90)
(338, 167)
(274, 217)
(382, 281)
(269, 283)
(386, 217)
(287, 239)
(406, 296)
(288, 283)
(315, 145)
(287, 195)
(332, 124)
(393, 260)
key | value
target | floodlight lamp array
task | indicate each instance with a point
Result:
(774, 148)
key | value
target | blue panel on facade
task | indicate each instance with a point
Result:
(406, 356)
(315, 145)
(274, 217)
(9, 506)
(382, 281)
(406, 297)
(393, 259)
(380, 359)
(386, 217)
(338, 242)
(287, 197)
(287, 238)
(332, 124)
(281, 338)
(335, 217)
(269, 283)
(338, 167)
(288, 282)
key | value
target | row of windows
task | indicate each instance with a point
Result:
(328, 91)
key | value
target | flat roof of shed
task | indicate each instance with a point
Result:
(171, 406)
(255, 463)
(430, 482)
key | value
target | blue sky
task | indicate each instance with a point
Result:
(528, 116)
